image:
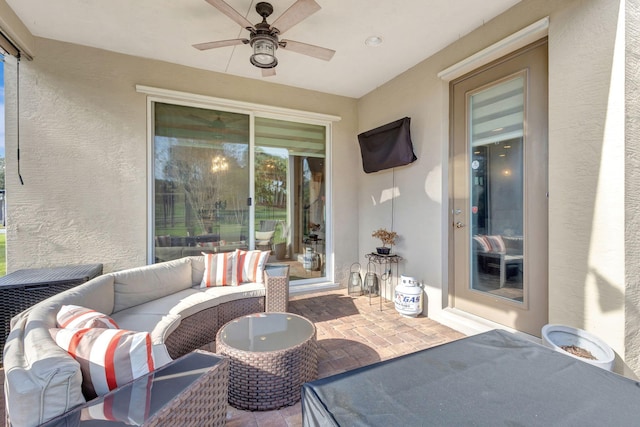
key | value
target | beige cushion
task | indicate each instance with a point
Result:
(41, 380)
(264, 235)
(162, 316)
(197, 269)
(139, 285)
(211, 297)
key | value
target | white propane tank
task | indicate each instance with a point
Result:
(307, 260)
(408, 297)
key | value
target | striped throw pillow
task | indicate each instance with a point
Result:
(219, 270)
(77, 317)
(250, 265)
(497, 244)
(108, 358)
(483, 243)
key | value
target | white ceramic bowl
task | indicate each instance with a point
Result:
(555, 336)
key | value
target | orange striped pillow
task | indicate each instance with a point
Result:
(76, 317)
(219, 270)
(250, 265)
(108, 358)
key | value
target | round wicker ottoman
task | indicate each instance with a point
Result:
(271, 355)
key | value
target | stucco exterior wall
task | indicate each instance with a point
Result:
(586, 163)
(83, 144)
(632, 183)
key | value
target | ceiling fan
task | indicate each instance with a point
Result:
(264, 38)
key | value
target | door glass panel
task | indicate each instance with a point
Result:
(290, 177)
(496, 123)
(201, 169)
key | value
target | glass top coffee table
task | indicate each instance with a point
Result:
(271, 355)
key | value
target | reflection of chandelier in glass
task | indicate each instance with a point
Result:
(219, 164)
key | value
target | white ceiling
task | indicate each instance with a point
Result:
(412, 30)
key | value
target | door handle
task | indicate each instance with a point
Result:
(459, 224)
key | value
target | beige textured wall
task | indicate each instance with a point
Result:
(586, 170)
(632, 183)
(586, 164)
(83, 142)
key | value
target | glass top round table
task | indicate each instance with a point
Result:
(267, 332)
(270, 356)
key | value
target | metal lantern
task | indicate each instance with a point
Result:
(355, 281)
(371, 280)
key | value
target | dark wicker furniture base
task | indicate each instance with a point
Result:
(267, 380)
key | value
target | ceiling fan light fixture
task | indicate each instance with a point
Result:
(264, 52)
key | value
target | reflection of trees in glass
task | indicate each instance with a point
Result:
(199, 175)
(271, 180)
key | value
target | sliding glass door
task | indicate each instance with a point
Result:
(201, 181)
(227, 180)
(290, 193)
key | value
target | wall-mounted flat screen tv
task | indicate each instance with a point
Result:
(387, 146)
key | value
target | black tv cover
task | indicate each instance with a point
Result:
(387, 146)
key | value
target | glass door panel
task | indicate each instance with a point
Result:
(201, 169)
(290, 213)
(496, 123)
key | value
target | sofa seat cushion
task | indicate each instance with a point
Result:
(145, 317)
(211, 297)
(162, 316)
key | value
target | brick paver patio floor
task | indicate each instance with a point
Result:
(351, 333)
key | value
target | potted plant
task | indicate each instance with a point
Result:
(579, 344)
(387, 238)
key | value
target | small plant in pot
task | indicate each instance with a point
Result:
(388, 239)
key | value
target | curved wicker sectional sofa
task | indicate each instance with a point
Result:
(43, 381)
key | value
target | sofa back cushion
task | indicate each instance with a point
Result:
(138, 285)
(197, 269)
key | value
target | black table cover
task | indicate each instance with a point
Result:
(491, 379)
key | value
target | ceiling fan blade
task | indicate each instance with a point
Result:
(268, 72)
(230, 12)
(220, 43)
(296, 13)
(308, 49)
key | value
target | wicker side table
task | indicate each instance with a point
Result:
(189, 392)
(276, 279)
(271, 355)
